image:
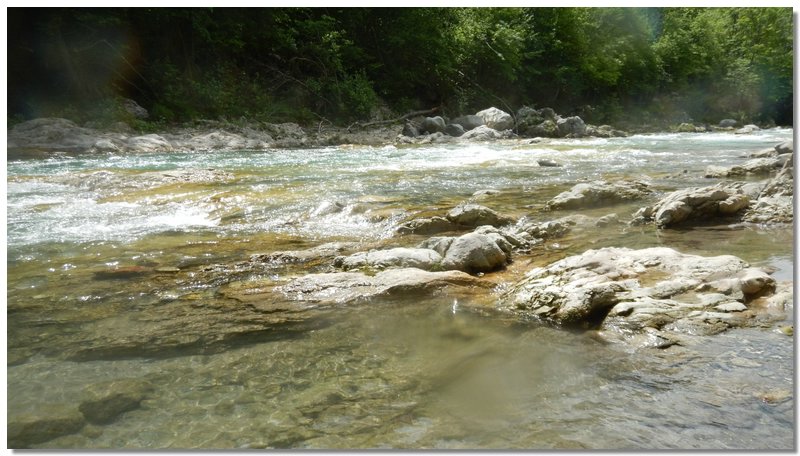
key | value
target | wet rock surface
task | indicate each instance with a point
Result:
(657, 288)
(599, 193)
(43, 424)
(107, 401)
(703, 204)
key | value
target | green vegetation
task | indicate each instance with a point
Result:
(644, 65)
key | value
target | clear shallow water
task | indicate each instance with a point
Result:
(424, 374)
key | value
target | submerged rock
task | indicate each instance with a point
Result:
(55, 420)
(599, 193)
(107, 401)
(634, 289)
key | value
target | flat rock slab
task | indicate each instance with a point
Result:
(599, 193)
(658, 288)
(350, 287)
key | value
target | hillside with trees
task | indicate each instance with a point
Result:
(645, 65)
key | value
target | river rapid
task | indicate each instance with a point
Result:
(99, 244)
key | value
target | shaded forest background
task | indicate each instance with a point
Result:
(608, 65)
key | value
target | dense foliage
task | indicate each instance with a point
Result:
(311, 64)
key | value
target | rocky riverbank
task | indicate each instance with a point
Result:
(507, 266)
(56, 135)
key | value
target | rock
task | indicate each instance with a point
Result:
(56, 420)
(727, 123)
(439, 244)
(573, 127)
(635, 289)
(496, 119)
(474, 252)
(782, 183)
(410, 130)
(107, 401)
(322, 252)
(50, 135)
(599, 193)
(221, 140)
(548, 163)
(747, 129)
(485, 133)
(527, 119)
(605, 131)
(785, 148)
(348, 287)
(547, 230)
(547, 129)
(431, 225)
(454, 130)
(755, 167)
(474, 215)
(468, 122)
(764, 153)
(770, 210)
(421, 258)
(695, 203)
(432, 125)
(148, 143)
(133, 108)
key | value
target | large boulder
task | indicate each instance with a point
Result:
(50, 134)
(727, 123)
(486, 133)
(656, 288)
(755, 167)
(133, 108)
(475, 252)
(474, 215)
(785, 148)
(432, 125)
(148, 143)
(573, 127)
(599, 193)
(468, 122)
(695, 204)
(747, 129)
(455, 130)
(496, 119)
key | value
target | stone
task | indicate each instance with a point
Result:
(454, 130)
(785, 148)
(421, 258)
(474, 252)
(348, 287)
(432, 225)
(468, 122)
(432, 125)
(727, 123)
(573, 127)
(474, 215)
(133, 108)
(548, 163)
(410, 130)
(106, 401)
(599, 193)
(496, 119)
(56, 420)
(485, 133)
(755, 167)
(632, 290)
(695, 204)
(148, 143)
(747, 129)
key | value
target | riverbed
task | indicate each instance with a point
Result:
(105, 250)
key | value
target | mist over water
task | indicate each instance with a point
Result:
(434, 372)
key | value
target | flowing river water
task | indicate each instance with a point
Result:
(98, 245)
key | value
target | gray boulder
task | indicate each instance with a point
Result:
(785, 148)
(747, 129)
(486, 133)
(148, 143)
(599, 193)
(469, 122)
(695, 204)
(474, 215)
(755, 167)
(410, 130)
(432, 225)
(133, 108)
(728, 123)
(571, 126)
(496, 119)
(627, 289)
(475, 252)
(432, 125)
(50, 134)
(454, 130)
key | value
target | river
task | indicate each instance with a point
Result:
(98, 245)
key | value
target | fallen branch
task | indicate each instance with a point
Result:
(391, 121)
